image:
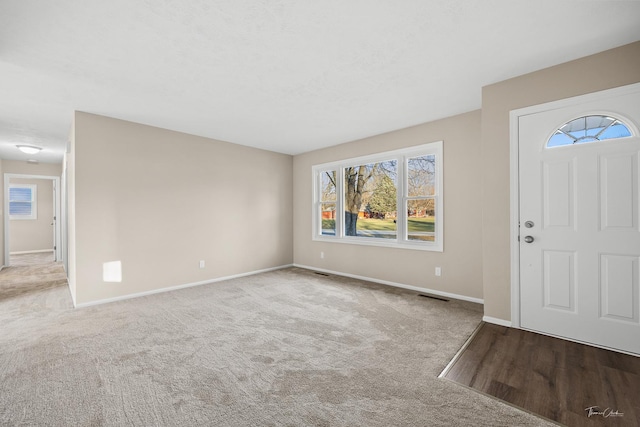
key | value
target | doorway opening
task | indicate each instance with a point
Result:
(32, 220)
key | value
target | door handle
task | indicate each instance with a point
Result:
(529, 239)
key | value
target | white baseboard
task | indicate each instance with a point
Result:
(39, 251)
(175, 288)
(395, 284)
(497, 321)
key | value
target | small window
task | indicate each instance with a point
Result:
(23, 201)
(589, 129)
(328, 206)
(421, 198)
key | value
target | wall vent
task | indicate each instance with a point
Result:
(433, 297)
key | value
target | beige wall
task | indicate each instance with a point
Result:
(15, 166)
(461, 260)
(613, 68)
(36, 234)
(160, 201)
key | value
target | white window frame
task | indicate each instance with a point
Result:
(402, 157)
(34, 202)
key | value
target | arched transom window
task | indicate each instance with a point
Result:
(589, 129)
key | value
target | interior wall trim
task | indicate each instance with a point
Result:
(39, 251)
(496, 321)
(177, 287)
(395, 284)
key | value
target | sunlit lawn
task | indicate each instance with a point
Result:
(422, 224)
(415, 224)
(328, 224)
(376, 224)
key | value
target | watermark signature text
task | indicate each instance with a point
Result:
(605, 413)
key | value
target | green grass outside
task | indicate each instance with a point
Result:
(415, 224)
(375, 224)
(422, 224)
(328, 224)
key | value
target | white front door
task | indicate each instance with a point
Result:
(580, 227)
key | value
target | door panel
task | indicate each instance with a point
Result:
(618, 191)
(579, 270)
(619, 287)
(559, 194)
(559, 280)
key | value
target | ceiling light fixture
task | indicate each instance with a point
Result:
(29, 149)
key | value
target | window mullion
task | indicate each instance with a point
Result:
(401, 191)
(340, 202)
(317, 198)
(320, 201)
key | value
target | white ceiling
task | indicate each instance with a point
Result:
(284, 75)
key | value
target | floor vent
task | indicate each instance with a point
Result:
(433, 297)
(321, 274)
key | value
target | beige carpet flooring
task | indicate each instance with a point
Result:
(31, 280)
(36, 258)
(284, 348)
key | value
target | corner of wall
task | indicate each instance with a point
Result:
(70, 183)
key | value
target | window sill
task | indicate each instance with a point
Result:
(384, 243)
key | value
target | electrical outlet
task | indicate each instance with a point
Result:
(438, 271)
(321, 255)
(202, 263)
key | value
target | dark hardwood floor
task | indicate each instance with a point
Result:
(554, 378)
